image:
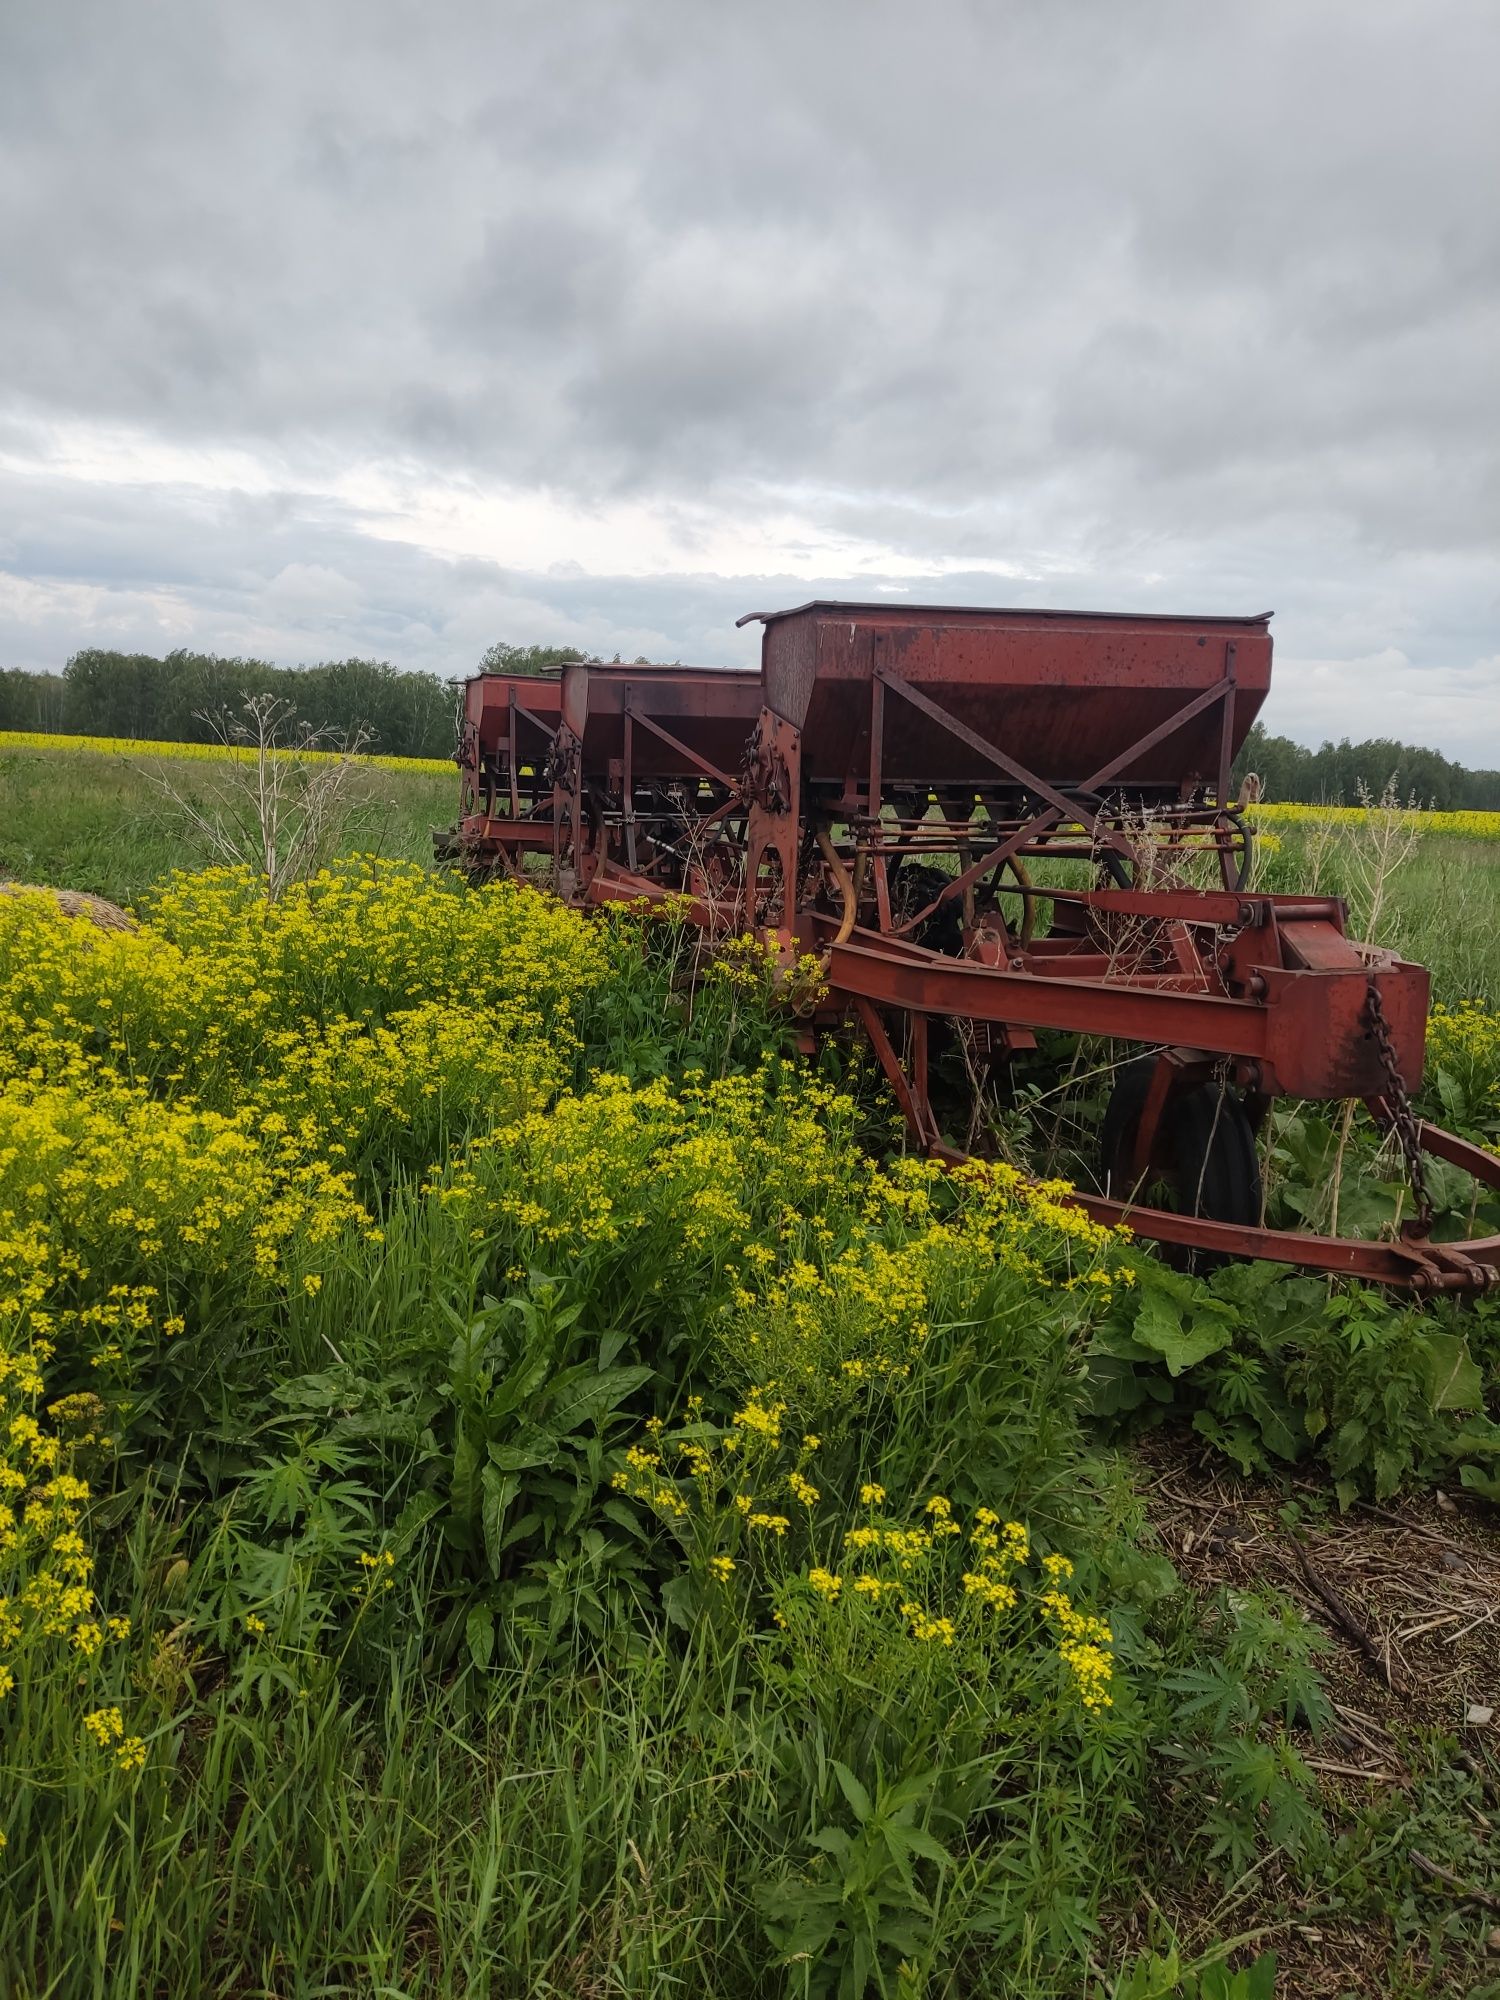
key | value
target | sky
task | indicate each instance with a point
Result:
(393, 329)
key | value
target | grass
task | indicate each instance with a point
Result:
(102, 823)
(1440, 907)
(583, 1516)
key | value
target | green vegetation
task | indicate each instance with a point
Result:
(1276, 1370)
(107, 825)
(184, 697)
(1437, 901)
(515, 1486)
(1335, 773)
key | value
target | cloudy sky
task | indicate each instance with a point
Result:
(394, 328)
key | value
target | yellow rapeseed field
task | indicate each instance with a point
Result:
(125, 746)
(1457, 825)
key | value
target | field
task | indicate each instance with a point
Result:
(1432, 895)
(104, 821)
(511, 1482)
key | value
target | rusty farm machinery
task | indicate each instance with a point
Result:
(989, 823)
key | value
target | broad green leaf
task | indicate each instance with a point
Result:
(1245, 1284)
(1159, 1326)
(929, 1848)
(499, 1488)
(463, 1491)
(1452, 1095)
(1479, 1438)
(595, 1397)
(1277, 1428)
(519, 1530)
(1392, 1464)
(853, 1790)
(1113, 1386)
(519, 1386)
(1115, 1344)
(1260, 1980)
(1453, 1379)
(539, 1449)
(901, 1799)
(680, 1598)
(624, 1516)
(858, 1969)
(479, 1634)
(417, 1512)
(1237, 1438)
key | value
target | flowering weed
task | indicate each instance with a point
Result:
(504, 1492)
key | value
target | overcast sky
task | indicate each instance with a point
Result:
(394, 329)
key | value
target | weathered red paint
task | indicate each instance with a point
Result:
(805, 800)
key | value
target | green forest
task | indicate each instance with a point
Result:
(1334, 773)
(185, 698)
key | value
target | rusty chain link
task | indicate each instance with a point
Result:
(1403, 1119)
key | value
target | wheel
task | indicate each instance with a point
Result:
(914, 887)
(1204, 1160)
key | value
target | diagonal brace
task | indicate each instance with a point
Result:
(682, 749)
(1221, 691)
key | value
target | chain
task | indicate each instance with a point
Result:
(1403, 1118)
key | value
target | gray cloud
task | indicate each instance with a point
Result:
(1156, 303)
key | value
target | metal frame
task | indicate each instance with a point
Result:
(1266, 990)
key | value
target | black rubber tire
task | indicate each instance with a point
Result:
(1211, 1165)
(914, 887)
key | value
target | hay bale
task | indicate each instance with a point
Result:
(75, 903)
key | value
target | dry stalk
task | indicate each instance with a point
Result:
(1377, 849)
(281, 809)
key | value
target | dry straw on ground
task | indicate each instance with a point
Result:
(74, 903)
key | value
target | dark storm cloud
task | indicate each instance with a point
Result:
(1149, 302)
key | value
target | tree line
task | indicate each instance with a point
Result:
(185, 697)
(1335, 773)
(189, 697)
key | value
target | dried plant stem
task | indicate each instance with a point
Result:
(279, 810)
